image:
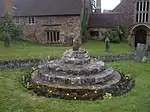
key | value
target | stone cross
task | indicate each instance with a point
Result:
(107, 46)
(76, 43)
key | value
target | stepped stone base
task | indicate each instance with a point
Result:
(76, 70)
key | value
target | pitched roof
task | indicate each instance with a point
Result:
(104, 20)
(44, 7)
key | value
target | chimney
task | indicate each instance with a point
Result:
(8, 6)
(98, 6)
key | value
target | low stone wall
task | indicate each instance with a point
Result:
(13, 64)
(117, 57)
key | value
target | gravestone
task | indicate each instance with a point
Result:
(142, 51)
(148, 50)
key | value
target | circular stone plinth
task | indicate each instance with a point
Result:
(74, 75)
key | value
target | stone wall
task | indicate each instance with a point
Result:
(128, 21)
(127, 7)
(13, 64)
(101, 31)
(68, 26)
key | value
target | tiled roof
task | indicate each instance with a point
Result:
(104, 20)
(44, 7)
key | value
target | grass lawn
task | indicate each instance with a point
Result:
(15, 98)
(22, 50)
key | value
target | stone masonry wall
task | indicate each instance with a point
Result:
(128, 8)
(68, 26)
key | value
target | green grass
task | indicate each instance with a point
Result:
(23, 50)
(15, 98)
(97, 48)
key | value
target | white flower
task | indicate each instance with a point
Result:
(95, 92)
(67, 94)
(33, 68)
(86, 94)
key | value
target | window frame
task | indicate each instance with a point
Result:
(31, 20)
(17, 20)
(52, 36)
(142, 10)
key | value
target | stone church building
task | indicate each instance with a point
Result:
(136, 20)
(58, 21)
(133, 15)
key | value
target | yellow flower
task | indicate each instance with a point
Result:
(50, 91)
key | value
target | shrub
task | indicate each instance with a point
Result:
(7, 25)
(114, 35)
(107, 96)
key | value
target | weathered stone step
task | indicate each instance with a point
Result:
(93, 79)
(68, 69)
(113, 81)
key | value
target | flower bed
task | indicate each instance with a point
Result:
(125, 85)
(117, 57)
(13, 64)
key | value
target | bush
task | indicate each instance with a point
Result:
(7, 25)
(114, 35)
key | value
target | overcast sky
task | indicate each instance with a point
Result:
(109, 4)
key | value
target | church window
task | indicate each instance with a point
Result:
(17, 20)
(147, 6)
(141, 6)
(53, 36)
(146, 17)
(143, 17)
(31, 20)
(142, 11)
(137, 6)
(144, 6)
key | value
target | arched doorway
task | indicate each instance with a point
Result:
(140, 33)
(140, 36)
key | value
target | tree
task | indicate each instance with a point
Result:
(6, 39)
(84, 17)
(7, 26)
